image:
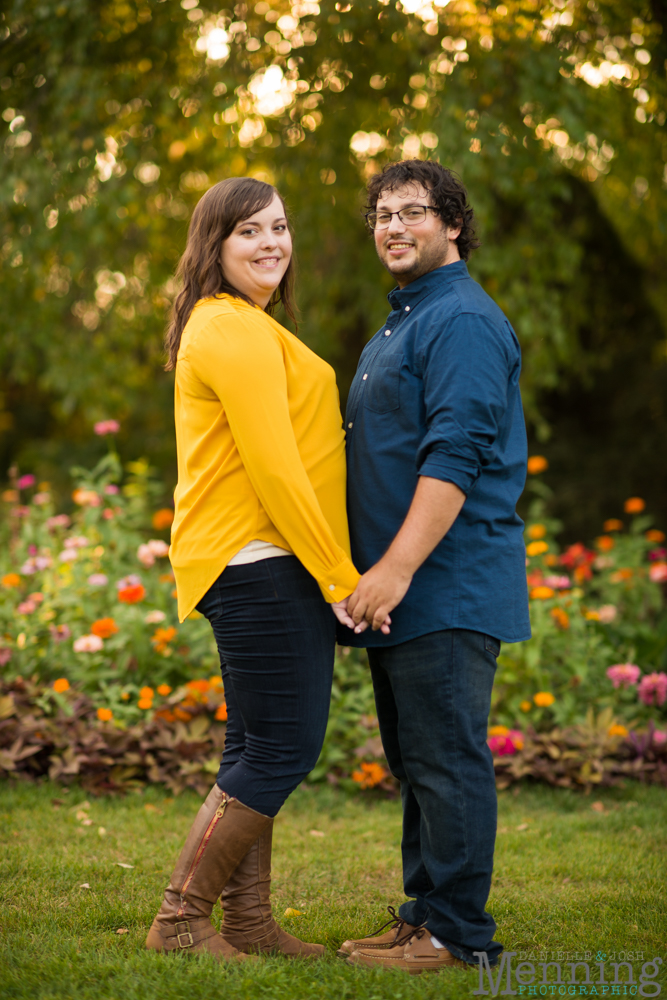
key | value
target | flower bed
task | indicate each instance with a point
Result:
(93, 659)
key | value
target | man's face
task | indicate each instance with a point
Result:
(408, 252)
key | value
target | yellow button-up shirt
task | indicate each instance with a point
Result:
(261, 451)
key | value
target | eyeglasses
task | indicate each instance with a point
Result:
(414, 215)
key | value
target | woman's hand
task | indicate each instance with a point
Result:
(340, 611)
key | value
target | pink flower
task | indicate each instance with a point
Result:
(76, 542)
(607, 613)
(155, 617)
(158, 547)
(25, 481)
(111, 490)
(58, 521)
(60, 632)
(658, 736)
(88, 644)
(145, 556)
(558, 582)
(5, 656)
(623, 674)
(653, 686)
(26, 607)
(103, 427)
(108, 514)
(657, 554)
(658, 572)
(128, 581)
(509, 744)
(35, 564)
(98, 580)
(41, 498)
(68, 555)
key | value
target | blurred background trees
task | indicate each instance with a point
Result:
(118, 114)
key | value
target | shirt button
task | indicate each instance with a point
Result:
(407, 309)
(365, 377)
(350, 424)
(332, 586)
(387, 332)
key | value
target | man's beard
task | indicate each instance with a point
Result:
(427, 258)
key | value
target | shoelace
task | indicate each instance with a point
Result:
(395, 921)
(416, 932)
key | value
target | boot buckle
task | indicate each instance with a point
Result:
(184, 937)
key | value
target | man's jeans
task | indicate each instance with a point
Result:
(433, 696)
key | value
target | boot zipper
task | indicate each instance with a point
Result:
(219, 813)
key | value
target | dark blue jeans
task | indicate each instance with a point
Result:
(433, 696)
(276, 637)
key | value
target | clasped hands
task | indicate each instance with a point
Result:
(376, 595)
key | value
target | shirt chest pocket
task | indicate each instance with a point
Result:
(382, 385)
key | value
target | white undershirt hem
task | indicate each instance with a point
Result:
(256, 550)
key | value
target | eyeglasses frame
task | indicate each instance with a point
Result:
(407, 208)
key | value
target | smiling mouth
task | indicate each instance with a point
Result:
(267, 261)
(397, 246)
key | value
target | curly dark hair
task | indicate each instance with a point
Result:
(448, 194)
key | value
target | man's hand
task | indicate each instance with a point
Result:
(340, 609)
(377, 594)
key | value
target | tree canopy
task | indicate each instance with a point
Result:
(118, 114)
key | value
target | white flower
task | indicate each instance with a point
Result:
(88, 644)
(155, 617)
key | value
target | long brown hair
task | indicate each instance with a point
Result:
(213, 220)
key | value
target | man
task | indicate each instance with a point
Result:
(436, 451)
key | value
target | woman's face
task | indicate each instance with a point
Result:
(256, 255)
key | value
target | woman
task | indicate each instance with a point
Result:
(259, 546)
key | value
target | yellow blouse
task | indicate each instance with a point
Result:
(261, 451)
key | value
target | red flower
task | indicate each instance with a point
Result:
(132, 594)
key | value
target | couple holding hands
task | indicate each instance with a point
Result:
(402, 523)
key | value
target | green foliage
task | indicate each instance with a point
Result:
(120, 114)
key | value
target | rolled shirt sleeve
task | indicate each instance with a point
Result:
(244, 366)
(466, 369)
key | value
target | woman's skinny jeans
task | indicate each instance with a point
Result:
(276, 637)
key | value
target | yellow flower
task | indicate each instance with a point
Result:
(592, 616)
(537, 464)
(536, 548)
(104, 714)
(61, 685)
(543, 699)
(498, 731)
(542, 593)
(163, 689)
(537, 531)
(525, 706)
(617, 730)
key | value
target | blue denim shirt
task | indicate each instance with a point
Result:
(437, 394)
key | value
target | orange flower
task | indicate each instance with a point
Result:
(104, 627)
(221, 712)
(369, 775)
(162, 518)
(61, 685)
(582, 573)
(11, 580)
(166, 578)
(11, 496)
(525, 706)
(541, 593)
(537, 464)
(613, 524)
(617, 730)
(215, 681)
(550, 559)
(201, 686)
(146, 692)
(653, 535)
(634, 505)
(164, 690)
(174, 593)
(498, 731)
(162, 637)
(536, 548)
(560, 617)
(145, 703)
(537, 531)
(104, 714)
(592, 616)
(166, 714)
(132, 595)
(622, 574)
(543, 699)
(182, 715)
(604, 543)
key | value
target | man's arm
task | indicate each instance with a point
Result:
(434, 508)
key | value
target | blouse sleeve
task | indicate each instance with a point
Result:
(243, 364)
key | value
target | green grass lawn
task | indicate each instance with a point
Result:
(568, 877)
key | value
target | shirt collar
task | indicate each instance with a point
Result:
(421, 287)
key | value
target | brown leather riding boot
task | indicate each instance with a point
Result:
(218, 840)
(248, 922)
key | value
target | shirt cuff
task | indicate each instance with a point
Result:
(340, 582)
(462, 474)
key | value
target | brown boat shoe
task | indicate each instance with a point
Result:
(397, 929)
(415, 955)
